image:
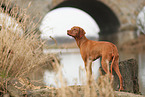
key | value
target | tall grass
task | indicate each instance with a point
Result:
(100, 88)
(20, 45)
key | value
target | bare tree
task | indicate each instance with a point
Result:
(141, 22)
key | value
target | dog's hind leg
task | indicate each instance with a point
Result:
(105, 64)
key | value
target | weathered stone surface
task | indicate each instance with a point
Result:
(125, 94)
(129, 71)
(125, 10)
(19, 87)
(13, 91)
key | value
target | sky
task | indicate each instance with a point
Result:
(58, 21)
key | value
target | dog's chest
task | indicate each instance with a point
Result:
(90, 53)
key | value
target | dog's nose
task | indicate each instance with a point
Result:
(68, 31)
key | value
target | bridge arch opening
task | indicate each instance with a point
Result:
(102, 14)
(58, 21)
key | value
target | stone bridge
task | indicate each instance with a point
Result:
(110, 15)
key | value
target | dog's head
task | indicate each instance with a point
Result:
(76, 32)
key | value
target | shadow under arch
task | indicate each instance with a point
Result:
(102, 14)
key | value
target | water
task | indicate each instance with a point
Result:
(141, 62)
(72, 70)
(74, 73)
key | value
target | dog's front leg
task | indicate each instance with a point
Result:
(88, 67)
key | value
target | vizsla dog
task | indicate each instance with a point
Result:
(91, 50)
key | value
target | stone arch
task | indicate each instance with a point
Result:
(102, 14)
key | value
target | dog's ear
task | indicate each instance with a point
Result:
(81, 33)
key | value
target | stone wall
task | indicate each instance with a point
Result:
(35, 8)
(125, 10)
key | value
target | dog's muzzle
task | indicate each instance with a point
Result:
(68, 32)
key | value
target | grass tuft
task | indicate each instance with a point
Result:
(20, 45)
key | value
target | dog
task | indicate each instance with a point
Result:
(91, 50)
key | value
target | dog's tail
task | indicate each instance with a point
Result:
(114, 55)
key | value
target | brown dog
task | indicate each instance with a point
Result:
(92, 50)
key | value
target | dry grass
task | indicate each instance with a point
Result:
(20, 46)
(100, 88)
